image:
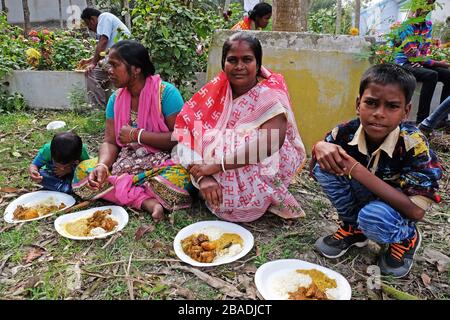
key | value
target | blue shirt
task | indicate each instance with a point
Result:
(171, 102)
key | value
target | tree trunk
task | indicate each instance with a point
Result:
(338, 16)
(26, 18)
(60, 14)
(126, 7)
(289, 15)
(357, 13)
(4, 7)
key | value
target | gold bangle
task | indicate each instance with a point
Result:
(350, 171)
(103, 165)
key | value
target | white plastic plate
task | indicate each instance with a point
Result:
(226, 227)
(118, 213)
(34, 198)
(271, 271)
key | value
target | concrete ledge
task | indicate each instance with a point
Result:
(48, 89)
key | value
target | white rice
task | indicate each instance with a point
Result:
(97, 231)
(213, 233)
(284, 282)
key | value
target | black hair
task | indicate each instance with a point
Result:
(90, 12)
(135, 54)
(260, 10)
(66, 147)
(254, 43)
(388, 73)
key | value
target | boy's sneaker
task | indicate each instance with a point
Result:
(335, 245)
(398, 258)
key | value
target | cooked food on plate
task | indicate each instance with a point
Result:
(36, 210)
(99, 223)
(212, 244)
(305, 284)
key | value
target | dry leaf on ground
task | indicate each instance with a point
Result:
(143, 230)
(34, 253)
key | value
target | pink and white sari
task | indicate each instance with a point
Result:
(212, 124)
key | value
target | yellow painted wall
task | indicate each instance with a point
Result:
(323, 84)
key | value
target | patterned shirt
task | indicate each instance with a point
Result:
(404, 159)
(415, 43)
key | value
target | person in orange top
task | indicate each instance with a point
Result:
(257, 19)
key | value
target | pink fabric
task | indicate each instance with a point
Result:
(125, 193)
(150, 116)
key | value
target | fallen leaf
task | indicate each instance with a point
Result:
(184, 292)
(143, 230)
(425, 279)
(437, 258)
(157, 246)
(34, 253)
(8, 189)
(16, 154)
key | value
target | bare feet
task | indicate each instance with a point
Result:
(154, 208)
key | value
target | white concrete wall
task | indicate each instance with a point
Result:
(41, 10)
(47, 89)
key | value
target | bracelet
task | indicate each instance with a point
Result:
(131, 134)
(199, 179)
(349, 173)
(222, 163)
(139, 137)
(104, 166)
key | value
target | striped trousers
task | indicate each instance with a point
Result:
(358, 206)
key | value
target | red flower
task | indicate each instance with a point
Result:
(33, 33)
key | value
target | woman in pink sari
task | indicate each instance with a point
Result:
(230, 134)
(134, 167)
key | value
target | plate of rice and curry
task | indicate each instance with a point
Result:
(212, 243)
(291, 279)
(37, 205)
(93, 223)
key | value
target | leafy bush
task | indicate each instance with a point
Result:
(177, 37)
(12, 47)
(60, 50)
(11, 102)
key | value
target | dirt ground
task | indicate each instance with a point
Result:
(37, 263)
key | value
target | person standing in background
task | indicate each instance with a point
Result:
(109, 30)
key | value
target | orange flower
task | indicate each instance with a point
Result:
(354, 31)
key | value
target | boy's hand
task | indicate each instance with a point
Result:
(34, 173)
(330, 157)
(211, 191)
(349, 162)
(202, 170)
(62, 170)
(124, 135)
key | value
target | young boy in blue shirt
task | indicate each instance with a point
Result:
(378, 172)
(55, 163)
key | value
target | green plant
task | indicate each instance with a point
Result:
(177, 36)
(11, 102)
(12, 47)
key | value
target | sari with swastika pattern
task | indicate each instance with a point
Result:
(212, 124)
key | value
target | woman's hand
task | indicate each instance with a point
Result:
(124, 135)
(33, 170)
(211, 191)
(97, 177)
(330, 157)
(203, 170)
